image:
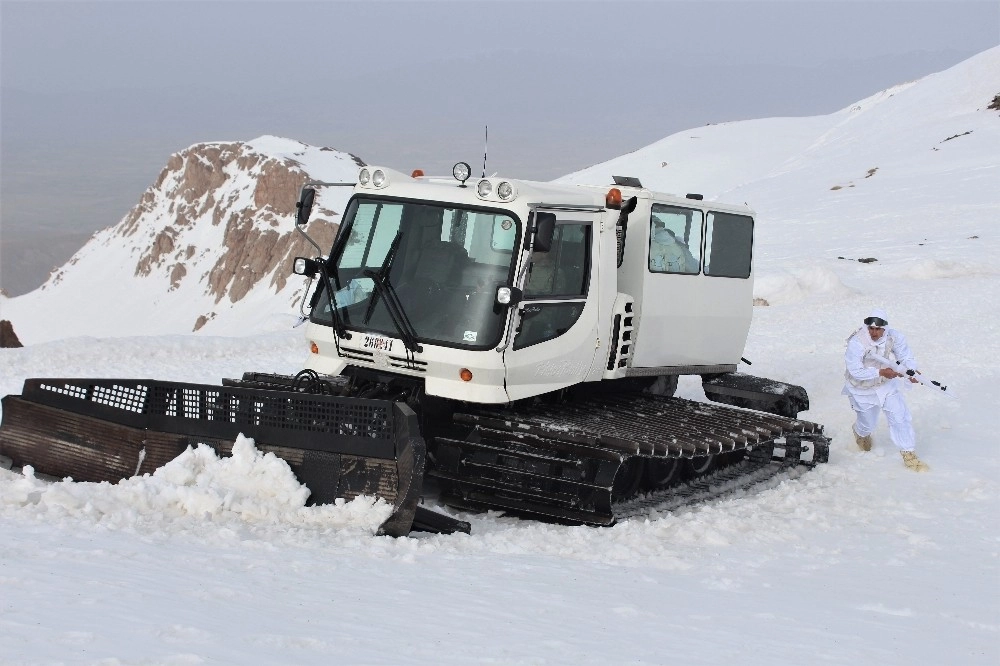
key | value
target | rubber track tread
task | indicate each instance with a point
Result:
(562, 460)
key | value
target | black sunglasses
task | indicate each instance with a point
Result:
(877, 322)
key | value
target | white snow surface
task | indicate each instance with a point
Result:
(856, 562)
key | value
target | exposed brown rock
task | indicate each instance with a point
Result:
(202, 320)
(252, 254)
(208, 204)
(259, 241)
(278, 188)
(8, 338)
(177, 273)
(162, 245)
(204, 168)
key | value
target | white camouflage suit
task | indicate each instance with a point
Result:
(869, 392)
(669, 254)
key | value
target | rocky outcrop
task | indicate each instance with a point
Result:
(252, 254)
(248, 197)
(8, 338)
(162, 245)
(201, 321)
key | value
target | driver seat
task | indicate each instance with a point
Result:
(442, 262)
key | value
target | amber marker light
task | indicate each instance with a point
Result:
(417, 173)
(613, 199)
(313, 347)
(465, 374)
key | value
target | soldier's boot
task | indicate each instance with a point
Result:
(911, 461)
(864, 442)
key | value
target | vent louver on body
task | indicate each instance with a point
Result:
(620, 347)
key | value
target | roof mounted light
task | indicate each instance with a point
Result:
(490, 190)
(417, 173)
(613, 199)
(374, 177)
(461, 171)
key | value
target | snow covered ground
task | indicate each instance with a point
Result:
(858, 561)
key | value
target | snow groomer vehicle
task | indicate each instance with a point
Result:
(509, 345)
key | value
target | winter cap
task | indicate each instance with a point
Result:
(878, 317)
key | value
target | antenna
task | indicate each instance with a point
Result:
(485, 144)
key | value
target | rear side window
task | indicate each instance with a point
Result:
(674, 239)
(728, 245)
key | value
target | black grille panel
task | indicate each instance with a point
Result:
(356, 426)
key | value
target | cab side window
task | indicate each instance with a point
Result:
(555, 292)
(563, 270)
(675, 239)
(728, 245)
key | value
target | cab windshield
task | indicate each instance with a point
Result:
(444, 264)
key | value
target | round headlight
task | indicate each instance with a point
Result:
(378, 178)
(461, 172)
(503, 295)
(505, 190)
(364, 177)
(484, 188)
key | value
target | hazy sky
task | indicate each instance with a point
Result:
(95, 96)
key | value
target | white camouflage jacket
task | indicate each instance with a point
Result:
(862, 371)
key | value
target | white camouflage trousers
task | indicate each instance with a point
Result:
(897, 414)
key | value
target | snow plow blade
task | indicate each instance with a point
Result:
(110, 429)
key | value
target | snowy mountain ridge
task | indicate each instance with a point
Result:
(910, 129)
(209, 245)
(214, 234)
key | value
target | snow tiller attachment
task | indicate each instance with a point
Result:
(110, 429)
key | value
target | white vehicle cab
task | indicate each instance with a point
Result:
(497, 290)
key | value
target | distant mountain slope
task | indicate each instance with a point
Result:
(927, 150)
(935, 125)
(209, 245)
(212, 239)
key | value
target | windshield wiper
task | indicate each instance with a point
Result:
(380, 276)
(384, 288)
(395, 308)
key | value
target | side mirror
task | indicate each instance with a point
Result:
(304, 206)
(305, 267)
(545, 228)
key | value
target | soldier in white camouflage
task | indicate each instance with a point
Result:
(872, 388)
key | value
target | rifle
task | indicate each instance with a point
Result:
(909, 372)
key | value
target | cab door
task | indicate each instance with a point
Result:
(697, 289)
(556, 334)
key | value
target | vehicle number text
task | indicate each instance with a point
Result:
(378, 343)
